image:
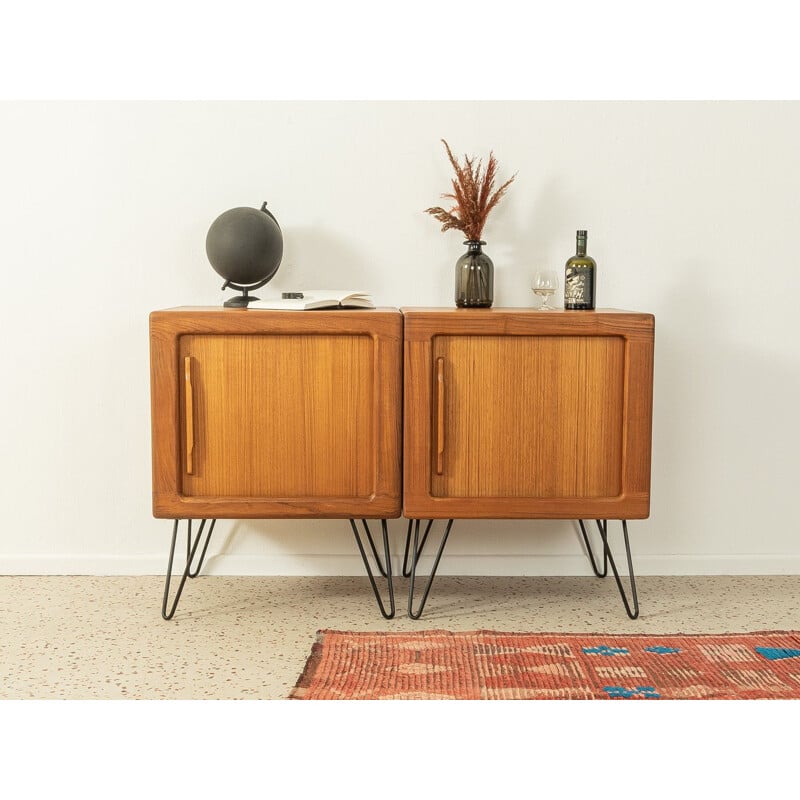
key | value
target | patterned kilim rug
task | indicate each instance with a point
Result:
(489, 665)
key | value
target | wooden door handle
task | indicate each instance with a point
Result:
(439, 416)
(188, 413)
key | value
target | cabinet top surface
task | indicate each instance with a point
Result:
(469, 312)
(511, 310)
(259, 311)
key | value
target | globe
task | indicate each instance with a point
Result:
(245, 246)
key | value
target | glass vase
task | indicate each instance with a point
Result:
(474, 277)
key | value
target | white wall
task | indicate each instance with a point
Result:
(692, 211)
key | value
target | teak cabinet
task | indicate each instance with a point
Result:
(527, 414)
(276, 414)
(488, 413)
(429, 413)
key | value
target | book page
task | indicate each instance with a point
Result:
(316, 298)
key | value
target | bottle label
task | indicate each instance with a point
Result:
(579, 287)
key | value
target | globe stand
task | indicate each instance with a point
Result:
(245, 247)
(243, 299)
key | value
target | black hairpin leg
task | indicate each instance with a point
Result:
(415, 554)
(591, 554)
(386, 572)
(191, 550)
(608, 558)
(381, 568)
(406, 567)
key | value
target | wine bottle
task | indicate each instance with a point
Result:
(579, 274)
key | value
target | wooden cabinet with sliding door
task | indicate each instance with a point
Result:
(519, 413)
(265, 414)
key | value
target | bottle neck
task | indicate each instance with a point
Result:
(580, 249)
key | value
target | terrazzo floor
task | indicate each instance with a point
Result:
(89, 637)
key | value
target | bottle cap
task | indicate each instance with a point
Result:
(582, 233)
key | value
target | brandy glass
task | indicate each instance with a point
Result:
(545, 284)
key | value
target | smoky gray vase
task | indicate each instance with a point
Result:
(474, 277)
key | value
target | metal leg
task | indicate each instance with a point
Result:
(205, 546)
(386, 573)
(415, 554)
(589, 550)
(406, 567)
(381, 568)
(608, 558)
(191, 550)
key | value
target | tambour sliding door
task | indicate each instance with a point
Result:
(276, 414)
(527, 414)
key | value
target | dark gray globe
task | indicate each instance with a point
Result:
(245, 245)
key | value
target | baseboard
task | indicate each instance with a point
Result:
(451, 564)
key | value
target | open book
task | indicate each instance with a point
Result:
(317, 298)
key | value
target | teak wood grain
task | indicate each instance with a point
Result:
(514, 413)
(504, 413)
(276, 414)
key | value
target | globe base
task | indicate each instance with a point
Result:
(239, 302)
(244, 298)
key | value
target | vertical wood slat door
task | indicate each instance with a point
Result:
(276, 414)
(281, 416)
(530, 416)
(517, 413)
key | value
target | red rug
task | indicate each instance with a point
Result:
(489, 665)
